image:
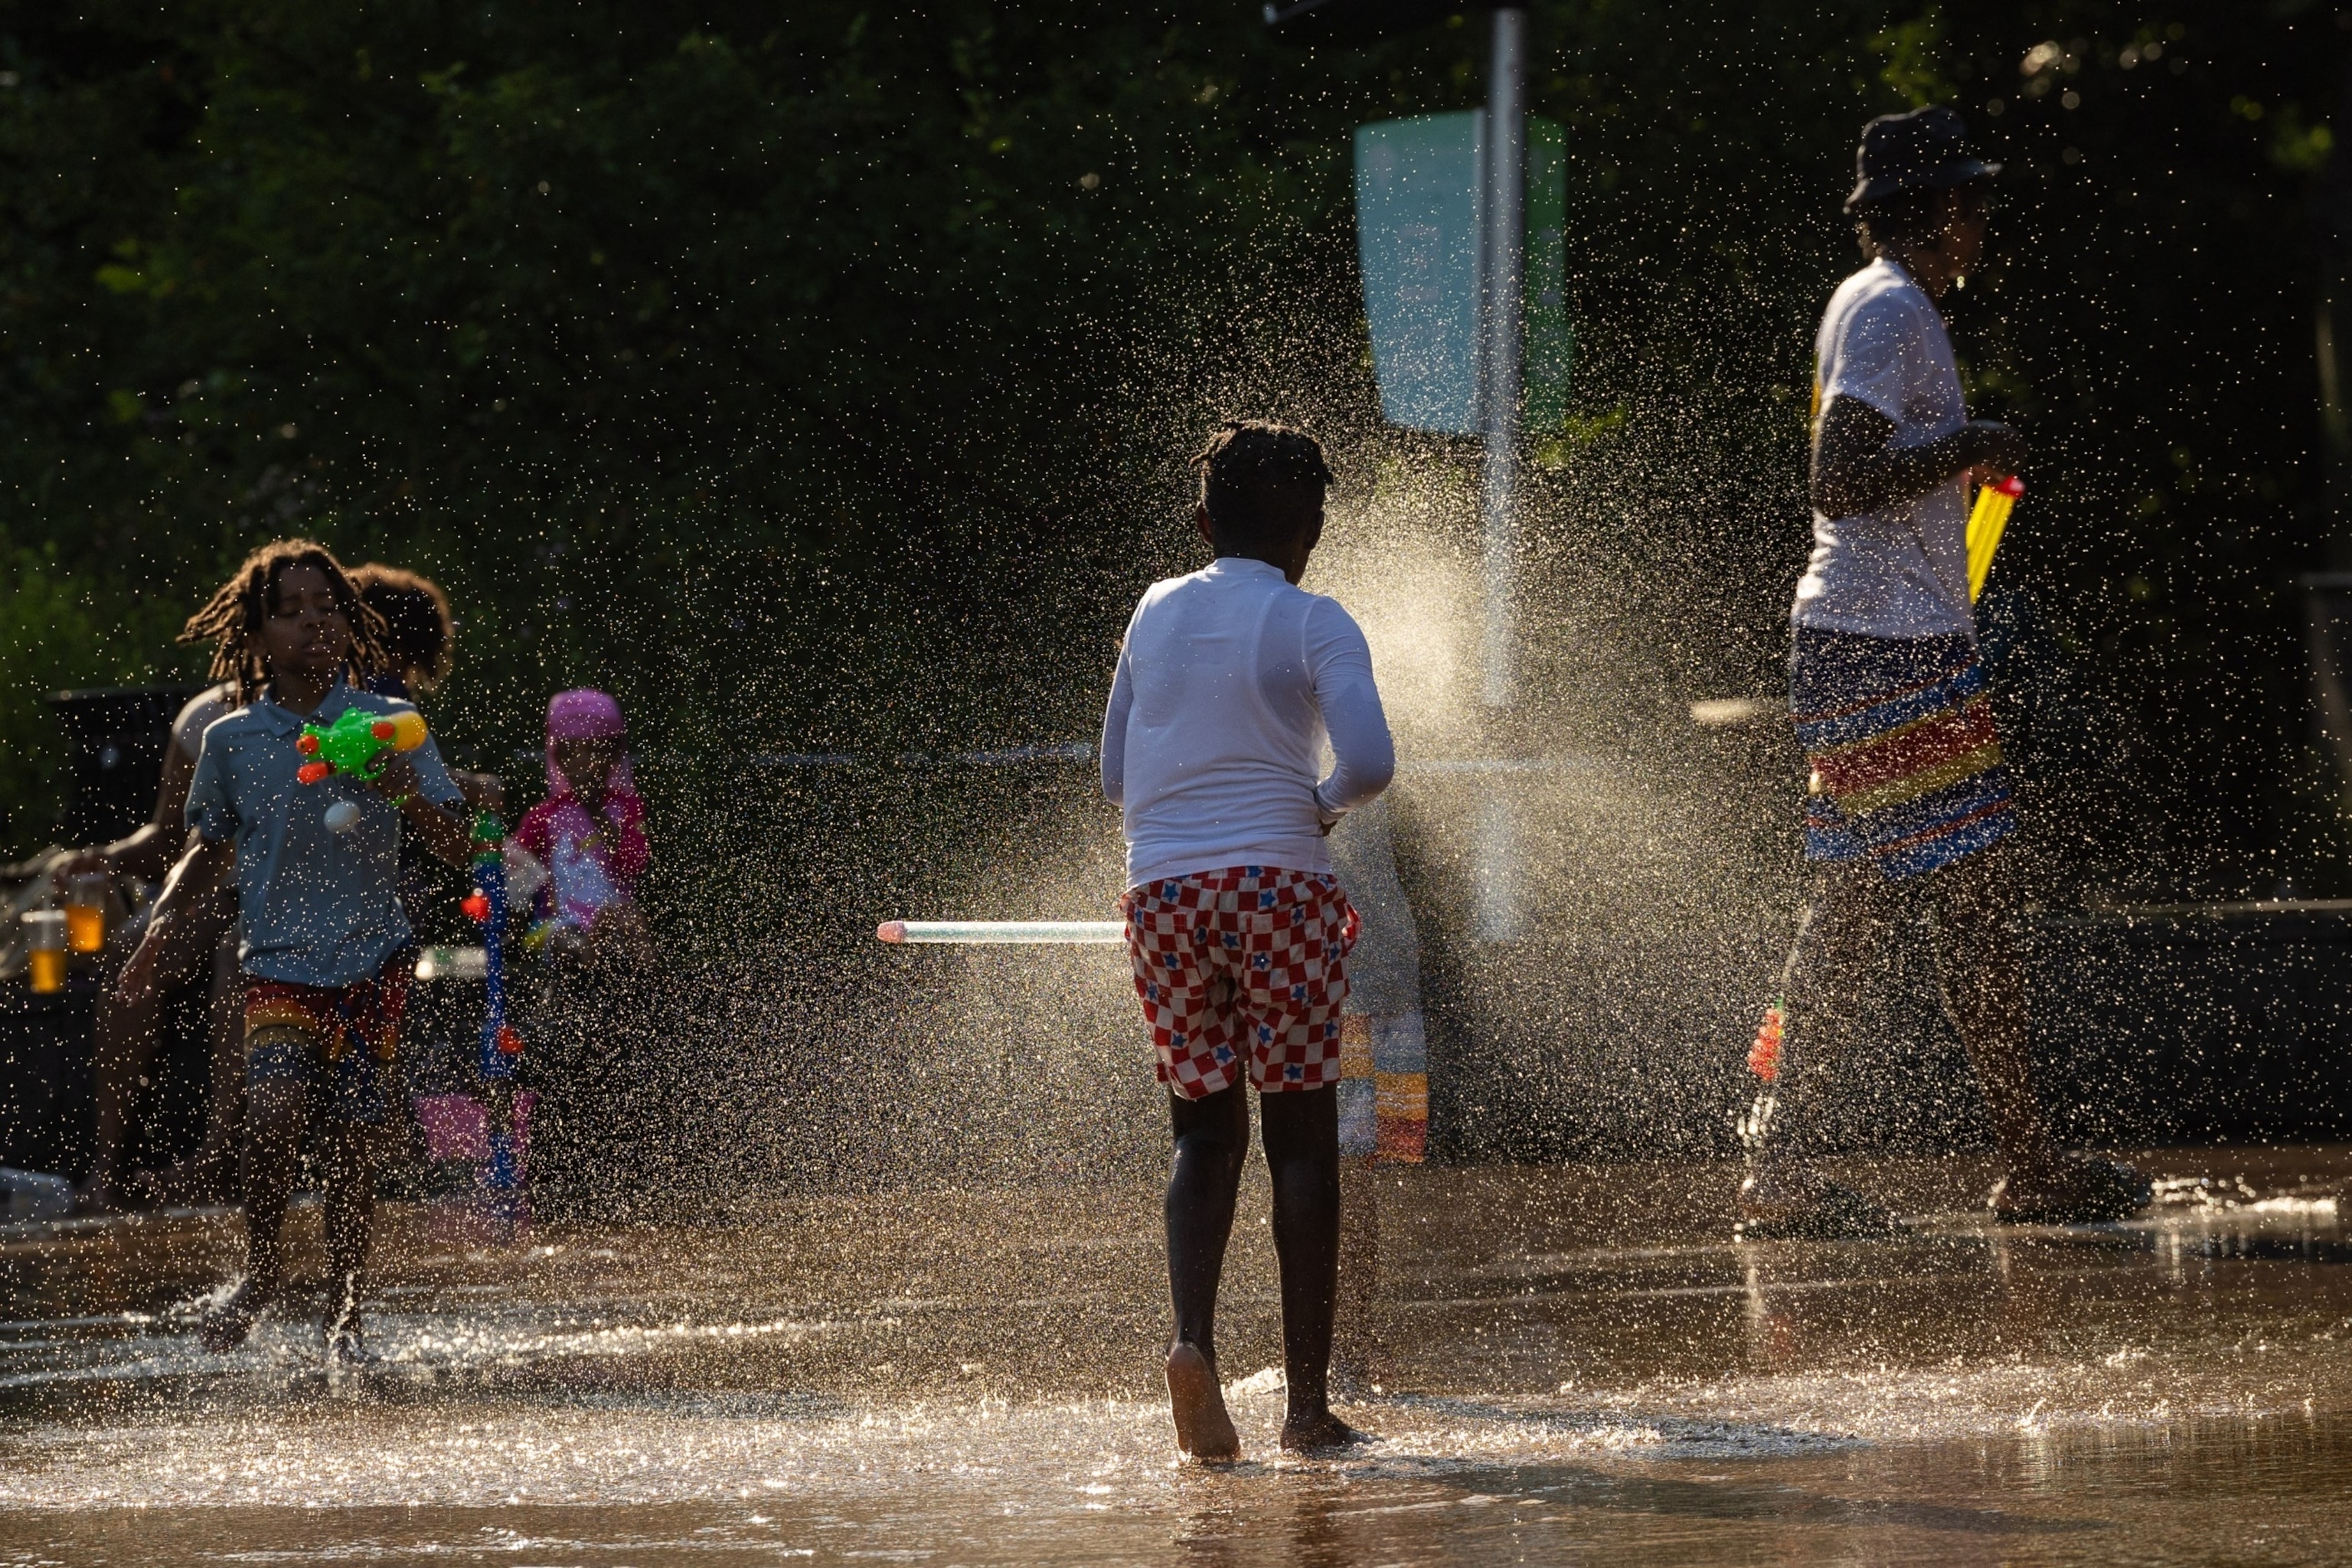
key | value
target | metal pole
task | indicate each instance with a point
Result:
(1504, 251)
(1506, 270)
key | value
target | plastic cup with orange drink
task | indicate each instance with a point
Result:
(45, 951)
(86, 911)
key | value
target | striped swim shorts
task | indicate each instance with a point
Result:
(337, 1041)
(1246, 964)
(1903, 759)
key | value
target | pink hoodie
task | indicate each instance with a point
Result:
(593, 857)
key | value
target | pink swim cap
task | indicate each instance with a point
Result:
(585, 714)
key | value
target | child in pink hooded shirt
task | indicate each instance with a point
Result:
(588, 832)
(598, 1094)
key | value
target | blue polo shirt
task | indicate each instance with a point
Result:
(319, 908)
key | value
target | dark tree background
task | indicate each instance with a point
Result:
(820, 377)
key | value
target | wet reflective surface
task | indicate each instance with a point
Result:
(1567, 1362)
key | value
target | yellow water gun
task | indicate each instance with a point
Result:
(1986, 520)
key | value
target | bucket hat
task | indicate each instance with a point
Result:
(1922, 150)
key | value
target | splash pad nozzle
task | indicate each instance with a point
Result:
(1096, 932)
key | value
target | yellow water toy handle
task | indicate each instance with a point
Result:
(407, 731)
(1986, 520)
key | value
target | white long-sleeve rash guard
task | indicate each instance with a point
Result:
(1229, 684)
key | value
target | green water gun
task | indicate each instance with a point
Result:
(355, 743)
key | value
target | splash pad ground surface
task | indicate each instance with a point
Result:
(1570, 1362)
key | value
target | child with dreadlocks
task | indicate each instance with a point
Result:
(320, 909)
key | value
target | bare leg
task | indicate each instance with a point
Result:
(1355, 1344)
(275, 1114)
(349, 1154)
(1301, 1128)
(1984, 981)
(210, 1173)
(1832, 996)
(1211, 1142)
(125, 1037)
(224, 1105)
(224, 1099)
(275, 1111)
(1983, 978)
(124, 1041)
(1972, 907)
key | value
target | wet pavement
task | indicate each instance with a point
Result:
(1563, 1363)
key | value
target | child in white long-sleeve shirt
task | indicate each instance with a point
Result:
(1229, 683)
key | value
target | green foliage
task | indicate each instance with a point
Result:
(829, 370)
(690, 357)
(57, 629)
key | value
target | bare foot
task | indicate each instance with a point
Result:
(346, 1342)
(1320, 1434)
(226, 1326)
(1202, 1428)
(346, 1345)
(2071, 1188)
(1810, 1207)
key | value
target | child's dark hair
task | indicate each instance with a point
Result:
(234, 617)
(420, 637)
(1244, 460)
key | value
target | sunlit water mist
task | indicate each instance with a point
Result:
(1401, 556)
(1021, 1063)
(1654, 878)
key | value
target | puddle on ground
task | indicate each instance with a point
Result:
(967, 1377)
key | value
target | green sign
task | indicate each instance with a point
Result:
(1420, 211)
(1551, 341)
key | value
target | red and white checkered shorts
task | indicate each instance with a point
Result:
(1251, 957)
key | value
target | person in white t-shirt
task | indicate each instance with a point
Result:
(1230, 681)
(1907, 804)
